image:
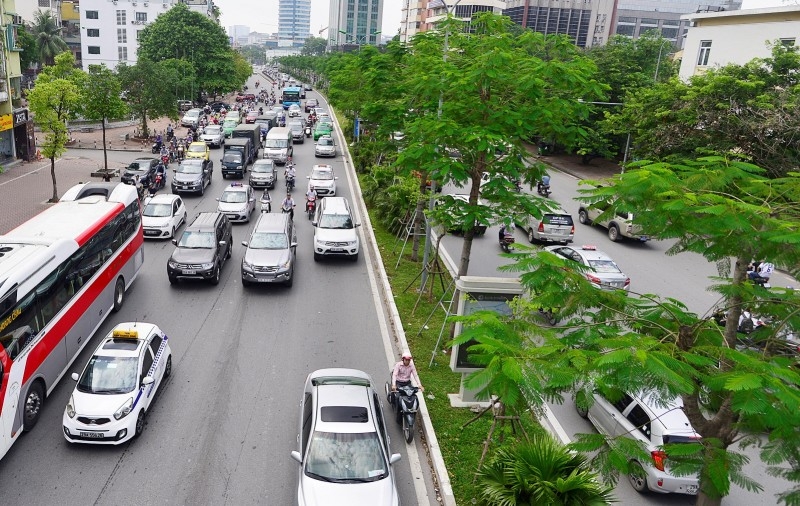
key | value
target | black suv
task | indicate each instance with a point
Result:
(193, 175)
(202, 249)
(145, 168)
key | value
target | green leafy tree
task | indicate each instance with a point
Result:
(733, 391)
(101, 99)
(149, 89)
(314, 46)
(181, 33)
(541, 471)
(30, 52)
(254, 54)
(63, 67)
(185, 86)
(747, 109)
(47, 33)
(52, 103)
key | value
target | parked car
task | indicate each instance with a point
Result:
(184, 105)
(343, 445)
(270, 253)
(603, 272)
(646, 419)
(162, 215)
(193, 175)
(202, 249)
(218, 106)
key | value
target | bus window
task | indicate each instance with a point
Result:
(19, 326)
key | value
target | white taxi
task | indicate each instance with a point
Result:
(237, 202)
(115, 390)
(163, 215)
(322, 181)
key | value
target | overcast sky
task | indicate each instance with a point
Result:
(262, 15)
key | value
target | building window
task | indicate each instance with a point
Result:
(788, 42)
(122, 18)
(122, 52)
(626, 30)
(122, 35)
(649, 21)
(705, 52)
(625, 19)
(669, 33)
(92, 15)
(93, 49)
(141, 17)
(44, 3)
(93, 32)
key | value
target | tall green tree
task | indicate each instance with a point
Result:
(30, 52)
(185, 34)
(733, 391)
(254, 54)
(100, 99)
(149, 89)
(47, 33)
(314, 46)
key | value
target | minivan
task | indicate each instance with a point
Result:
(548, 226)
(270, 253)
(334, 229)
(278, 146)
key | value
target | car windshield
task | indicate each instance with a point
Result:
(109, 375)
(325, 141)
(192, 114)
(262, 167)
(199, 148)
(272, 240)
(276, 143)
(212, 130)
(233, 197)
(190, 168)
(232, 156)
(335, 221)
(321, 174)
(604, 266)
(157, 210)
(344, 458)
(230, 123)
(197, 240)
(324, 126)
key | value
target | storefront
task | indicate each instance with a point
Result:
(24, 137)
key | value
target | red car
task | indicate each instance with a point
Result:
(251, 117)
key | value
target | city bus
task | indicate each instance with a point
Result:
(291, 95)
(61, 273)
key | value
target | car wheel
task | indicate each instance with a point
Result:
(215, 279)
(583, 217)
(119, 294)
(354, 258)
(168, 368)
(637, 477)
(139, 424)
(290, 281)
(580, 405)
(228, 254)
(34, 401)
(317, 257)
(183, 222)
(172, 234)
(172, 280)
(531, 238)
(613, 233)
(202, 189)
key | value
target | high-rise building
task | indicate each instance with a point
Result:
(294, 22)
(356, 22)
(588, 22)
(238, 34)
(437, 10)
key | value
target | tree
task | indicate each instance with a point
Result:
(52, 103)
(101, 100)
(181, 33)
(747, 109)
(314, 46)
(30, 53)
(732, 390)
(254, 54)
(541, 471)
(149, 88)
(48, 36)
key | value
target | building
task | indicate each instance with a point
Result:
(294, 22)
(28, 8)
(354, 22)
(17, 140)
(636, 17)
(437, 11)
(109, 28)
(71, 27)
(239, 35)
(715, 39)
(412, 17)
(588, 22)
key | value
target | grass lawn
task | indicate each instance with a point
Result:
(461, 446)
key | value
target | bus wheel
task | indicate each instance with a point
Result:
(33, 405)
(119, 294)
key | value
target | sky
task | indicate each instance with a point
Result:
(262, 15)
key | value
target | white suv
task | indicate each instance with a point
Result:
(619, 224)
(334, 229)
(654, 424)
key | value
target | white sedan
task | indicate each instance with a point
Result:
(294, 111)
(162, 215)
(115, 390)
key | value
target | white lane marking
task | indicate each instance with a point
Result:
(29, 173)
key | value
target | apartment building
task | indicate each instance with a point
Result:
(294, 22)
(355, 22)
(17, 140)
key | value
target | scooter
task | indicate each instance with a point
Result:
(405, 404)
(157, 184)
(308, 131)
(543, 189)
(311, 206)
(507, 241)
(266, 202)
(289, 183)
(156, 147)
(165, 159)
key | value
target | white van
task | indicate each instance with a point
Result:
(278, 146)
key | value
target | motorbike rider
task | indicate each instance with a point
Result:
(159, 141)
(170, 132)
(311, 196)
(287, 205)
(760, 271)
(507, 228)
(545, 182)
(404, 371)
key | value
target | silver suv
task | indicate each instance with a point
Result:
(654, 424)
(270, 253)
(619, 224)
(554, 226)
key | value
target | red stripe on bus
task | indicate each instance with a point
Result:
(5, 362)
(92, 231)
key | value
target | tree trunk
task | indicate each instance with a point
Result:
(418, 220)
(144, 125)
(105, 151)
(54, 198)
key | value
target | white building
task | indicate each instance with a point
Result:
(239, 34)
(716, 39)
(27, 9)
(356, 22)
(294, 22)
(110, 28)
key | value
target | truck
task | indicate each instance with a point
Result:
(237, 156)
(250, 131)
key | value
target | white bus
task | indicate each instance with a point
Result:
(61, 273)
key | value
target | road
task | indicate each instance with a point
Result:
(684, 277)
(224, 425)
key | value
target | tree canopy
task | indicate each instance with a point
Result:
(47, 33)
(101, 99)
(149, 89)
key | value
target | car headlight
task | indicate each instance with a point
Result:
(238, 166)
(247, 265)
(207, 266)
(71, 408)
(123, 410)
(352, 243)
(286, 264)
(172, 265)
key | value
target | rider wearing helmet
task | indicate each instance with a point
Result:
(403, 371)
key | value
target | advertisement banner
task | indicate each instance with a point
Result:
(6, 122)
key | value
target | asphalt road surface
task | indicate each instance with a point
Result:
(225, 422)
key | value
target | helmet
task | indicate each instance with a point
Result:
(406, 354)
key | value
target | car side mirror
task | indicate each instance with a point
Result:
(244, 243)
(336, 177)
(217, 200)
(74, 376)
(223, 243)
(175, 242)
(308, 177)
(148, 380)
(358, 224)
(294, 244)
(395, 458)
(296, 456)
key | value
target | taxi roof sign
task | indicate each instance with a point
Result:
(125, 334)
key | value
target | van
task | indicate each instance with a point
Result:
(550, 226)
(270, 253)
(236, 157)
(278, 146)
(250, 131)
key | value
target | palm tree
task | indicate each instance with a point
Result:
(47, 34)
(540, 472)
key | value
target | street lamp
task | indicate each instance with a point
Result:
(628, 141)
(658, 62)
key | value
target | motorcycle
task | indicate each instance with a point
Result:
(289, 183)
(165, 159)
(157, 184)
(308, 131)
(156, 147)
(543, 189)
(507, 241)
(405, 404)
(266, 202)
(311, 206)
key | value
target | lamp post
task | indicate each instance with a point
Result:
(658, 62)
(628, 141)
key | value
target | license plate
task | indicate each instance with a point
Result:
(189, 271)
(185, 187)
(94, 435)
(691, 489)
(335, 249)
